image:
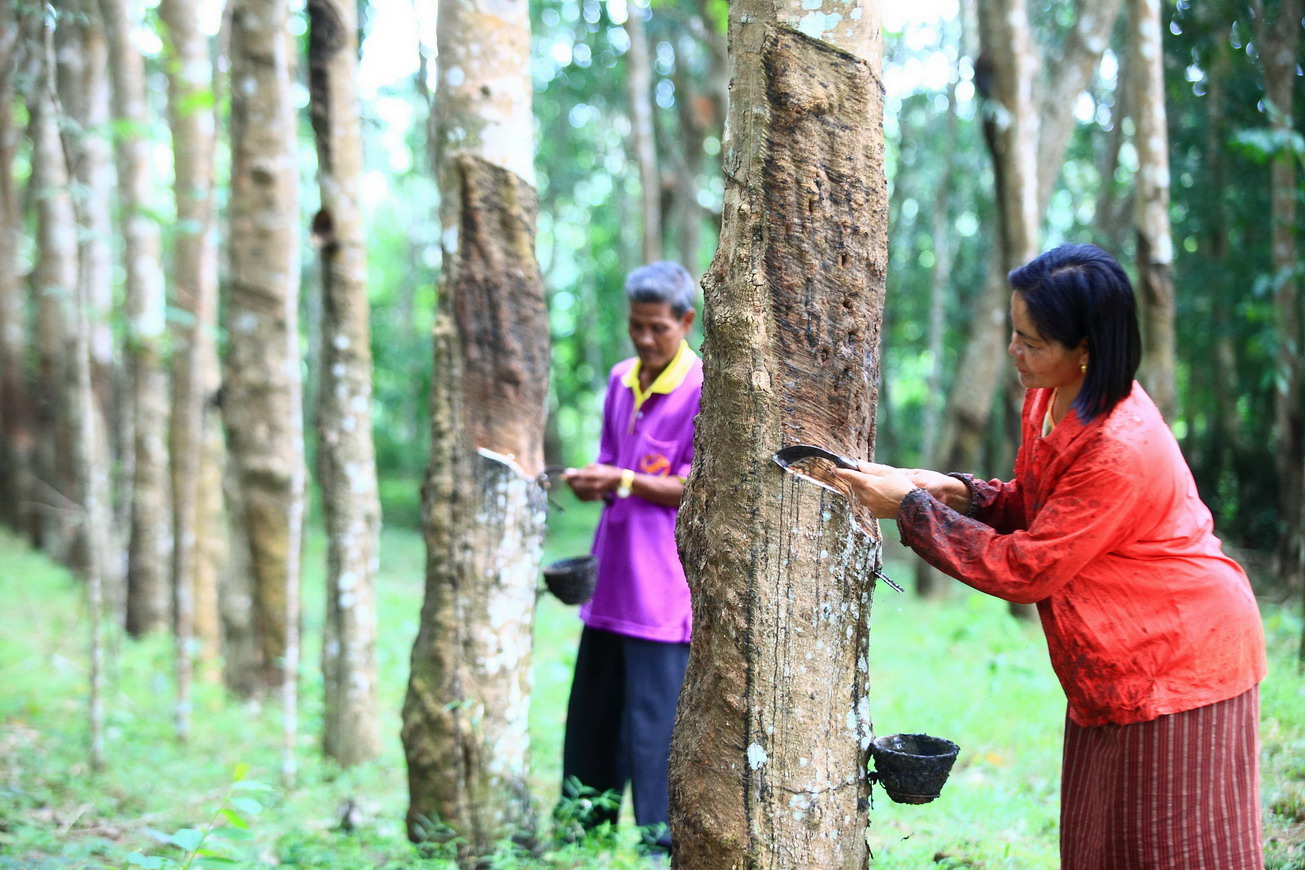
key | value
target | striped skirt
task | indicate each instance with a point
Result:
(1180, 792)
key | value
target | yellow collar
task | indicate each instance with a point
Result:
(670, 378)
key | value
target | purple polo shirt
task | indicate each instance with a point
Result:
(641, 591)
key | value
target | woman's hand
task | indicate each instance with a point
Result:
(945, 488)
(593, 481)
(880, 488)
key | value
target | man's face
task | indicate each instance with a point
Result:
(656, 333)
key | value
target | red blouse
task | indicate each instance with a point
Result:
(1103, 529)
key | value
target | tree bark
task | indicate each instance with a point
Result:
(346, 456)
(262, 387)
(81, 57)
(1279, 39)
(62, 290)
(16, 412)
(150, 535)
(643, 135)
(466, 713)
(194, 353)
(1155, 247)
(1069, 72)
(768, 762)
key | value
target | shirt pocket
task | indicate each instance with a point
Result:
(657, 457)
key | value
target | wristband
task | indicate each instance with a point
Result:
(627, 483)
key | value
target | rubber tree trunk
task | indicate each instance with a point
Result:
(64, 293)
(643, 137)
(149, 544)
(1280, 39)
(18, 439)
(1155, 246)
(345, 453)
(768, 761)
(262, 402)
(465, 718)
(82, 85)
(192, 430)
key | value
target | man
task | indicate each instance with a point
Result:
(635, 643)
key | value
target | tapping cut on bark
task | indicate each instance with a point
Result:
(499, 305)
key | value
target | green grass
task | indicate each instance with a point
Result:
(961, 669)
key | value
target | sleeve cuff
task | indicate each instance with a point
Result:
(971, 488)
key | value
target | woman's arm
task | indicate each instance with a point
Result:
(1089, 513)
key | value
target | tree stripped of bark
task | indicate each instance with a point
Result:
(768, 763)
(262, 402)
(345, 454)
(465, 717)
(150, 534)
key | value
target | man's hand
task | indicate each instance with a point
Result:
(593, 481)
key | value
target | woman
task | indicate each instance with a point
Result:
(1154, 633)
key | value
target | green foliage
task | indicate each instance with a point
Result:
(576, 815)
(960, 669)
(234, 809)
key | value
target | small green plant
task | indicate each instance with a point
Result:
(1291, 806)
(584, 812)
(234, 810)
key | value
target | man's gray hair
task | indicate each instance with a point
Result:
(664, 282)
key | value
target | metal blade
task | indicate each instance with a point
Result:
(820, 474)
(797, 452)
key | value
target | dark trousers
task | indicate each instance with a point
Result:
(619, 721)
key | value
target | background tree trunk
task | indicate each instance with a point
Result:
(1005, 73)
(61, 285)
(1279, 38)
(54, 286)
(465, 717)
(16, 412)
(150, 535)
(346, 457)
(81, 57)
(194, 351)
(1155, 246)
(643, 136)
(768, 762)
(262, 401)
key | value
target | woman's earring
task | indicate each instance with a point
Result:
(1083, 368)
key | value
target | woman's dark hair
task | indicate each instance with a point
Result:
(663, 282)
(1078, 292)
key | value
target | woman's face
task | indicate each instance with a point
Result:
(1042, 362)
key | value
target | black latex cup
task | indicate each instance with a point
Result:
(913, 767)
(572, 580)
